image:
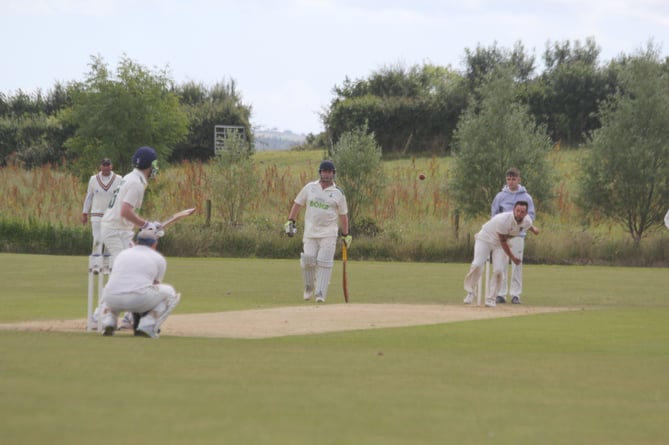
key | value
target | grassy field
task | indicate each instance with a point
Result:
(594, 375)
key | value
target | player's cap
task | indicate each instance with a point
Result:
(105, 161)
(327, 166)
(144, 157)
(149, 234)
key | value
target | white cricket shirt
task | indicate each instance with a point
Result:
(505, 224)
(323, 209)
(99, 192)
(135, 269)
(131, 191)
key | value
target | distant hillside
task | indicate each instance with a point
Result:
(268, 140)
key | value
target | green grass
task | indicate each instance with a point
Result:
(594, 375)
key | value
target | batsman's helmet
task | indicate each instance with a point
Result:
(327, 166)
(144, 157)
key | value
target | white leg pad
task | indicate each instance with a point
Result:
(157, 316)
(308, 264)
(323, 275)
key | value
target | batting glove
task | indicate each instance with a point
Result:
(158, 227)
(347, 239)
(290, 227)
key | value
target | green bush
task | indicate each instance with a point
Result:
(43, 237)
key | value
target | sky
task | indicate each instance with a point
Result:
(286, 56)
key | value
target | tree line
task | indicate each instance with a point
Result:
(417, 109)
(110, 114)
(497, 112)
(409, 109)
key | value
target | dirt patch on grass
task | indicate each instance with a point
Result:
(307, 319)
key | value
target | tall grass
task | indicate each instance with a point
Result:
(412, 220)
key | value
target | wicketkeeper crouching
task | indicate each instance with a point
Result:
(135, 286)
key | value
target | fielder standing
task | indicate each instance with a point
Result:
(505, 200)
(135, 286)
(494, 238)
(100, 190)
(325, 208)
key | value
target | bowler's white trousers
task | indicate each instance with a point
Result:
(482, 250)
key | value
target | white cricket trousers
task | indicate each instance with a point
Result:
(517, 246)
(155, 299)
(482, 250)
(97, 237)
(323, 249)
(116, 241)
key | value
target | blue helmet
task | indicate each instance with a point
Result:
(144, 157)
(327, 166)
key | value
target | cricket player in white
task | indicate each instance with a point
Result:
(504, 201)
(121, 218)
(135, 286)
(325, 207)
(494, 237)
(101, 187)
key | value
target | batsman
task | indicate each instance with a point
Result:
(326, 207)
(121, 217)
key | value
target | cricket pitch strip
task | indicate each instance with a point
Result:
(305, 319)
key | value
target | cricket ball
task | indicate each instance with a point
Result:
(421, 176)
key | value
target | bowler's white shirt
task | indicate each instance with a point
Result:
(504, 224)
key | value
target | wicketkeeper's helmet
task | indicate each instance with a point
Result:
(144, 157)
(149, 234)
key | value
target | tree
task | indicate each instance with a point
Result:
(626, 174)
(357, 158)
(206, 108)
(492, 136)
(567, 95)
(114, 115)
(235, 181)
(481, 62)
(30, 131)
(409, 110)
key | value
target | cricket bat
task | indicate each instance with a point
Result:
(177, 216)
(345, 275)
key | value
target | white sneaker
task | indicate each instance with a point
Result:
(308, 294)
(469, 299)
(490, 302)
(126, 321)
(320, 299)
